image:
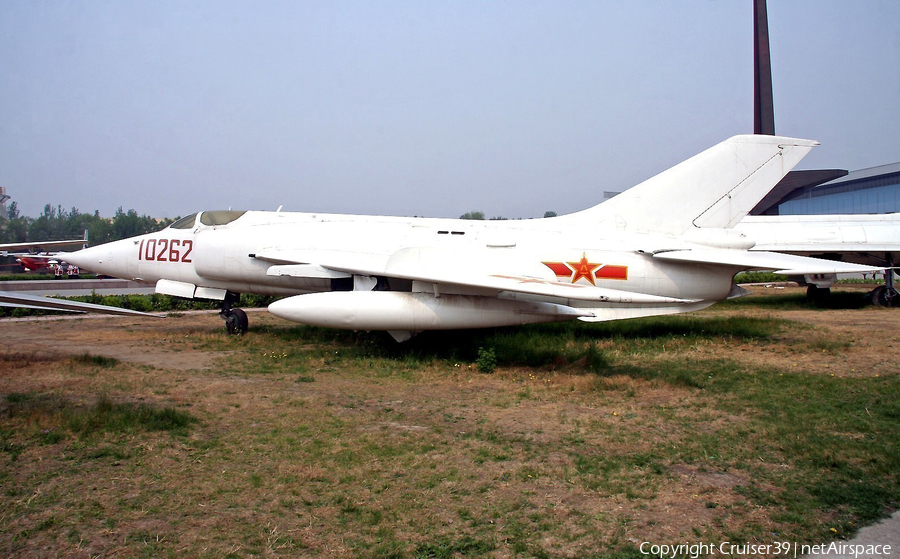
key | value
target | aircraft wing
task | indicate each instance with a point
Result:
(445, 267)
(787, 264)
(864, 239)
(876, 256)
(821, 248)
(9, 299)
(42, 256)
(41, 245)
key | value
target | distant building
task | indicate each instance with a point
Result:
(868, 191)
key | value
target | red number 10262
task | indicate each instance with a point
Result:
(166, 250)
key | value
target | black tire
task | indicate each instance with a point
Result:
(236, 322)
(818, 295)
(880, 296)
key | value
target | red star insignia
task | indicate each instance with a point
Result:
(583, 269)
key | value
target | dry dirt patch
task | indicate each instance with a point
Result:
(339, 456)
(852, 343)
(163, 343)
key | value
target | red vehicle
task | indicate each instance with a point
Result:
(33, 264)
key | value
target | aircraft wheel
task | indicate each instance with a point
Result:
(236, 322)
(882, 297)
(878, 295)
(817, 294)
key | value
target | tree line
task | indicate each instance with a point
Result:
(56, 223)
(478, 215)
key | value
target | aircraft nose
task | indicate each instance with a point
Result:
(107, 259)
(92, 258)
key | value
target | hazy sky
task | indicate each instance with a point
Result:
(417, 107)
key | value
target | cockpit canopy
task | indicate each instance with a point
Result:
(185, 222)
(215, 217)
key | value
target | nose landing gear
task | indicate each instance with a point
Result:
(236, 322)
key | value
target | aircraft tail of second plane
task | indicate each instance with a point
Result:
(712, 190)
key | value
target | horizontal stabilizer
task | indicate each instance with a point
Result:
(822, 248)
(781, 263)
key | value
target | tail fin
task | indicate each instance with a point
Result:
(714, 189)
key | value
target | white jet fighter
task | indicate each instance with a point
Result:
(664, 246)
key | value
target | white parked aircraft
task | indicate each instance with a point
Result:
(36, 257)
(39, 246)
(864, 239)
(664, 246)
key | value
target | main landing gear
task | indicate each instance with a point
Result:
(236, 322)
(817, 294)
(886, 295)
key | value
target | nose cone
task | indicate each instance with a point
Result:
(92, 259)
(109, 259)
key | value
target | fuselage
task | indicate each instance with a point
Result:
(236, 251)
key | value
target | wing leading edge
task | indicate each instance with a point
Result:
(35, 301)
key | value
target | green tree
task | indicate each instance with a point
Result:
(128, 224)
(55, 223)
(14, 230)
(99, 230)
(472, 215)
(12, 212)
(46, 226)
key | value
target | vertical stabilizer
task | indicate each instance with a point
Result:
(714, 189)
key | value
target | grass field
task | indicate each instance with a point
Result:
(759, 420)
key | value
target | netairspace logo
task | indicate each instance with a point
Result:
(790, 549)
(664, 551)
